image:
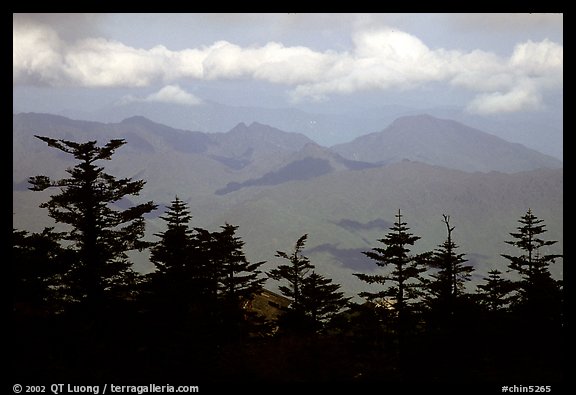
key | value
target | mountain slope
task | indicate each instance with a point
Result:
(309, 162)
(257, 144)
(346, 212)
(445, 143)
(290, 186)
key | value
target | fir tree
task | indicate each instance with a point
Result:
(293, 274)
(321, 299)
(494, 294)
(539, 295)
(404, 281)
(177, 285)
(100, 234)
(446, 290)
(314, 298)
(170, 254)
(238, 281)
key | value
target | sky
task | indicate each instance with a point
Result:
(489, 64)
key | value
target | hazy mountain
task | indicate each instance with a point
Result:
(445, 143)
(254, 144)
(211, 117)
(540, 131)
(278, 185)
(309, 162)
(346, 212)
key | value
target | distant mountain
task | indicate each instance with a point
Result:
(538, 130)
(346, 212)
(243, 145)
(446, 143)
(309, 162)
(278, 185)
(212, 117)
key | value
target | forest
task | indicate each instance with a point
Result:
(82, 313)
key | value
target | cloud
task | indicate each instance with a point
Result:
(379, 59)
(520, 98)
(169, 94)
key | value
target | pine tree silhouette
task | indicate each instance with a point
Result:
(314, 298)
(321, 299)
(494, 294)
(178, 286)
(446, 291)
(294, 275)
(238, 280)
(406, 274)
(539, 295)
(100, 234)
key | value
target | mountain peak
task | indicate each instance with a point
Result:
(137, 120)
(240, 127)
(426, 122)
(446, 143)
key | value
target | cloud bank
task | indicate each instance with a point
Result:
(380, 59)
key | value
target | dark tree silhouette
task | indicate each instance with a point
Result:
(494, 294)
(315, 299)
(179, 285)
(539, 295)
(238, 281)
(405, 277)
(171, 253)
(446, 289)
(293, 274)
(100, 234)
(322, 299)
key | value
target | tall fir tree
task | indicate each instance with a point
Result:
(539, 295)
(405, 276)
(100, 234)
(314, 298)
(494, 294)
(238, 282)
(322, 300)
(177, 286)
(446, 290)
(293, 274)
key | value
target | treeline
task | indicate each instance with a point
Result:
(81, 312)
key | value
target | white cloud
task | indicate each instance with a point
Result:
(380, 59)
(169, 94)
(520, 98)
(174, 94)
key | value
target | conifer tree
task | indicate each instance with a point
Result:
(446, 290)
(321, 299)
(100, 234)
(294, 274)
(177, 284)
(239, 279)
(539, 295)
(494, 294)
(403, 282)
(171, 252)
(314, 298)
(236, 282)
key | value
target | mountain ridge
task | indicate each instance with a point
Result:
(345, 210)
(446, 143)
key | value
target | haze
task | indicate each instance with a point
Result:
(500, 72)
